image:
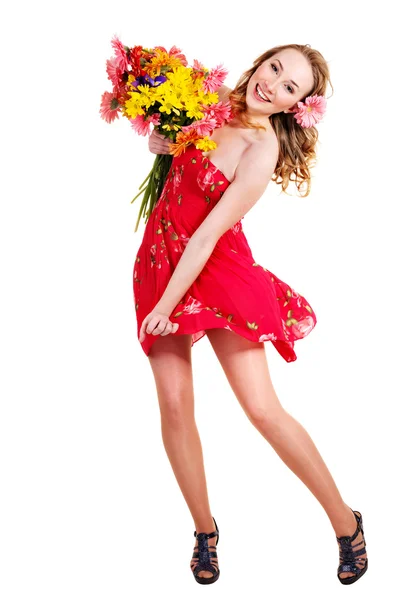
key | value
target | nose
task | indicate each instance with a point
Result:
(270, 88)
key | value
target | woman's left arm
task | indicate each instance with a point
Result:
(252, 176)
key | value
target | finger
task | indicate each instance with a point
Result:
(149, 324)
(156, 148)
(168, 329)
(175, 327)
(162, 149)
(142, 334)
(161, 325)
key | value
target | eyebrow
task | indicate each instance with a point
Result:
(281, 66)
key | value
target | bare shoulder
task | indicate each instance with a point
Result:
(223, 93)
(260, 157)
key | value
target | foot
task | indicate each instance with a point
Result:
(214, 560)
(348, 529)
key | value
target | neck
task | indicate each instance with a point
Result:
(257, 119)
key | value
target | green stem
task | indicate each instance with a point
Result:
(155, 182)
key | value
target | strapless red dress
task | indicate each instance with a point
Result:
(232, 291)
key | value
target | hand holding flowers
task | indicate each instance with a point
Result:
(158, 143)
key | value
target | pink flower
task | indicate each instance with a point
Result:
(120, 53)
(109, 108)
(202, 127)
(237, 227)
(197, 65)
(267, 336)
(176, 53)
(311, 111)
(155, 119)
(303, 327)
(220, 111)
(113, 72)
(176, 180)
(193, 306)
(142, 125)
(205, 177)
(215, 79)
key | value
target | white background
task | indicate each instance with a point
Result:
(89, 506)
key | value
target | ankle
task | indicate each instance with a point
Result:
(345, 523)
(206, 525)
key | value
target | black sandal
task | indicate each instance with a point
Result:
(203, 559)
(348, 557)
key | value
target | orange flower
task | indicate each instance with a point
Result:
(182, 141)
(161, 59)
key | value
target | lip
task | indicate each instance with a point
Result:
(256, 95)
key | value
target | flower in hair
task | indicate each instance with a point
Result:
(311, 111)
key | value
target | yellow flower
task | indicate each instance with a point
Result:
(132, 107)
(205, 144)
(170, 98)
(148, 95)
(139, 101)
(170, 127)
(211, 98)
(193, 110)
(180, 75)
(170, 102)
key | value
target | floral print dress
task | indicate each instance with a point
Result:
(232, 291)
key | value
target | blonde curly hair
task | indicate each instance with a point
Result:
(297, 144)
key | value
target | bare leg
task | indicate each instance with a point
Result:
(246, 368)
(170, 359)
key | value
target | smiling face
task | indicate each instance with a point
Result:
(283, 79)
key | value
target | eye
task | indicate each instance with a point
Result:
(292, 91)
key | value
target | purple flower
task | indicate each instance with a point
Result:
(147, 80)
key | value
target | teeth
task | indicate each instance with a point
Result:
(260, 93)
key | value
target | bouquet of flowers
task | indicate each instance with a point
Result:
(154, 88)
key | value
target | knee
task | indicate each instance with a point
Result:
(175, 411)
(267, 419)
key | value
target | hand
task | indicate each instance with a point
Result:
(158, 143)
(157, 323)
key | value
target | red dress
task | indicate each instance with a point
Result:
(232, 291)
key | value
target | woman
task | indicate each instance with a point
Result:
(194, 274)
